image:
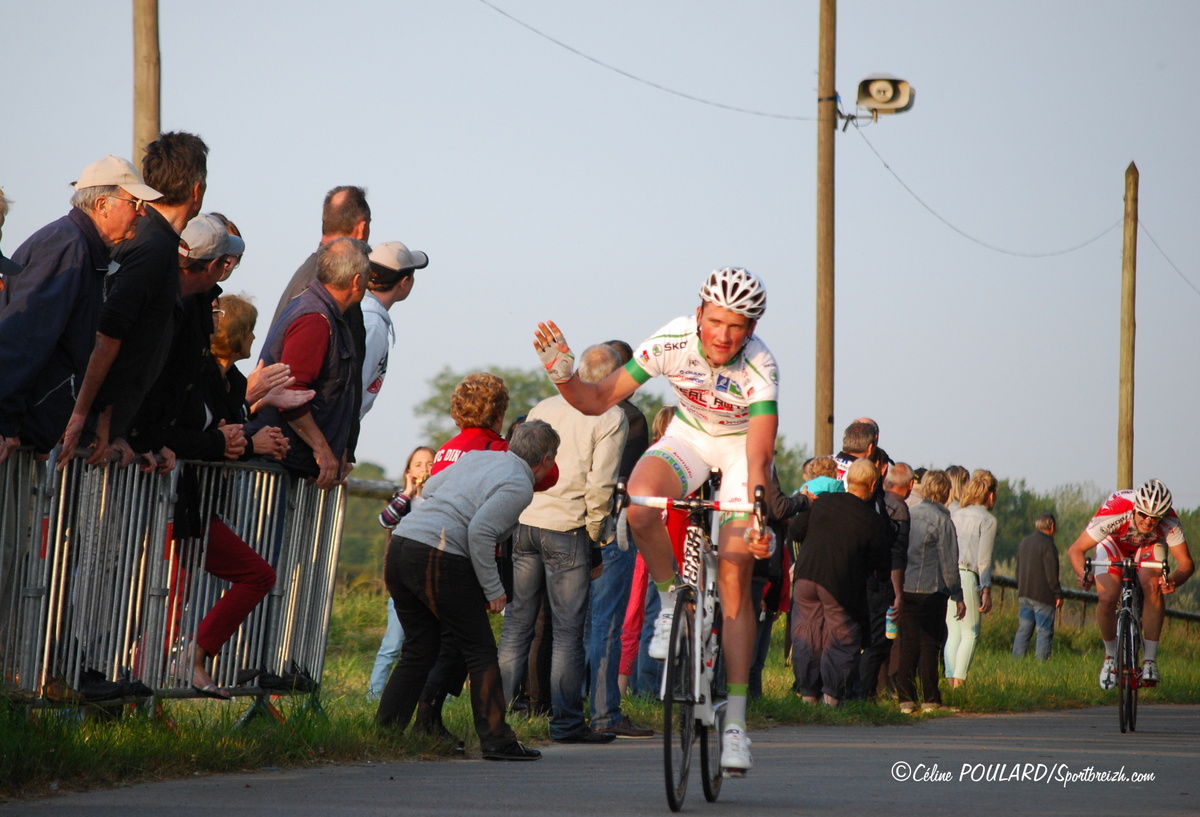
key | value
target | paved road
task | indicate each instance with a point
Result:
(798, 771)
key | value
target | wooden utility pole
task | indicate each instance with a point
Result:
(1128, 330)
(827, 119)
(146, 77)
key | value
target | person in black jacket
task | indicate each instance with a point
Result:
(180, 419)
(51, 306)
(845, 541)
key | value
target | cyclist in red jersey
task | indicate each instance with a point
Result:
(1140, 524)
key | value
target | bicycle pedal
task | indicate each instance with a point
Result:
(733, 774)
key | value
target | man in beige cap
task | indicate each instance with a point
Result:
(48, 327)
(136, 320)
(391, 281)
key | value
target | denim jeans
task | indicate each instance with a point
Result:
(557, 564)
(1035, 613)
(610, 597)
(389, 651)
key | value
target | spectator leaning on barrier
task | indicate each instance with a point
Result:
(1038, 588)
(345, 214)
(441, 572)
(48, 327)
(313, 337)
(134, 331)
(178, 418)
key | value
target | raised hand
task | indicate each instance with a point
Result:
(554, 352)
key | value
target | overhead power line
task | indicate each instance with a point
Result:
(643, 80)
(972, 238)
(850, 120)
(1179, 272)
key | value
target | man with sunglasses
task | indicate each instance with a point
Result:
(48, 323)
(1140, 524)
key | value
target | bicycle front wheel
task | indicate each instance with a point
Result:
(1127, 670)
(679, 702)
(710, 736)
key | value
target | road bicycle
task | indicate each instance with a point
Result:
(1129, 634)
(693, 683)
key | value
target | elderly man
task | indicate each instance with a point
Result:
(345, 214)
(1038, 588)
(845, 542)
(441, 572)
(48, 328)
(314, 338)
(392, 268)
(135, 328)
(557, 545)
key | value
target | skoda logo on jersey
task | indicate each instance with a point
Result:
(726, 385)
(656, 349)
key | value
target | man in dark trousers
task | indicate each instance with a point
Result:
(1038, 587)
(845, 541)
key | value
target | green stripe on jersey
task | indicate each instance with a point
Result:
(636, 371)
(765, 407)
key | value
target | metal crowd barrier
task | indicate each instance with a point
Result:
(98, 600)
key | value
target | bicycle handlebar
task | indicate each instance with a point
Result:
(622, 500)
(1090, 563)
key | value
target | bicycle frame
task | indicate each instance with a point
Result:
(1129, 633)
(698, 571)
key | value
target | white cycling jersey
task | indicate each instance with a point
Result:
(716, 400)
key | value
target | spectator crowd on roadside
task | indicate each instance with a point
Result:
(117, 338)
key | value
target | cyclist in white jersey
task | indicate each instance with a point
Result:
(726, 382)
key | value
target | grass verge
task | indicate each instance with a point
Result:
(54, 750)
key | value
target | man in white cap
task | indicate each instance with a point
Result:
(48, 327)
(135, 328)
(391, 281)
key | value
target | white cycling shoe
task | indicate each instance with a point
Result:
(735, 753)
(660, 644)
(1108, 674)
(1150, 673)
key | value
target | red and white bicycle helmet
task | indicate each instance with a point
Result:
(1152, 499)
(737, 290)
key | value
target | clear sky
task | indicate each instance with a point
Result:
(543, 185)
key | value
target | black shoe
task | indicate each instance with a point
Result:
(514, 751)
(628, 729)
(588, 735)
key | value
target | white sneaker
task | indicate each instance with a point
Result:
(1149, 673)
(660, 644)
(1108, 674)
(735, 753)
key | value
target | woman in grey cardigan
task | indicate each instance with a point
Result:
(930, 579)
(976, 530)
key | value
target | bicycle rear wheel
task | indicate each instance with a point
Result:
(1127, 671)
(679, 702)
(710, 736)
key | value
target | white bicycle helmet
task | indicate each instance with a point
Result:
(1152, 499)
(737, 290)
